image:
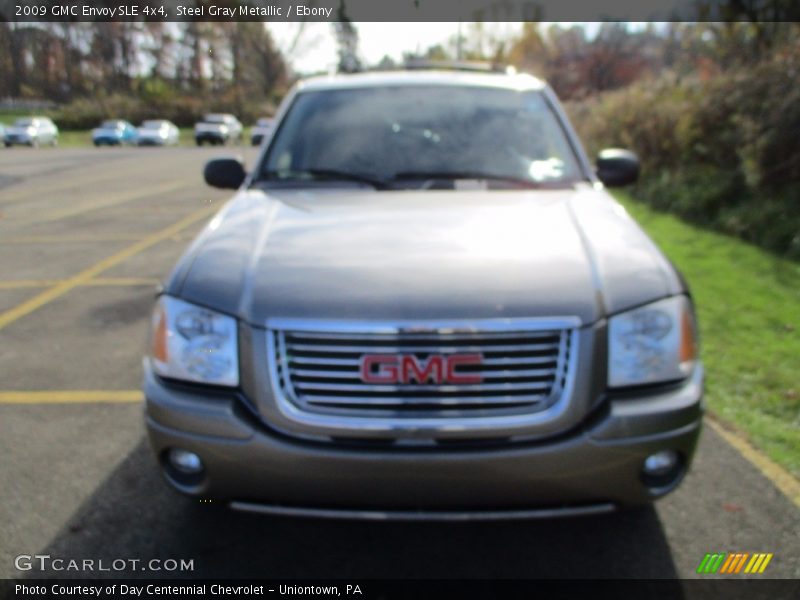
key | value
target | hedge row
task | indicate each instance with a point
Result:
(723, 152)
(184, 111)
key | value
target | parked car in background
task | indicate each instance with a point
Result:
(263, 128)
(218, 129)
(2, 130)
(114, 132)
(422, 303)
(157, 132)
(31, 131)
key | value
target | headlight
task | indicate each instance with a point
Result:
(653, 343)
(193, 343)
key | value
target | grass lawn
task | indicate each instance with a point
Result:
(748, 304)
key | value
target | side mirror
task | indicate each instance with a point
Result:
(225, 173)
(616, 167)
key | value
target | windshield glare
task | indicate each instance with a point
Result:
(386, 132)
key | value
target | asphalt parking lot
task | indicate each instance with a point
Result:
(85, 236)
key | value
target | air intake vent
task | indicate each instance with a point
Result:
(421, 372)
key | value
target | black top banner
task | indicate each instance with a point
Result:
(397, 10)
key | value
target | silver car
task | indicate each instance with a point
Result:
(157, 132)
(422, 303)
(31, 131)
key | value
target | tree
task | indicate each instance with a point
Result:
(347, 42)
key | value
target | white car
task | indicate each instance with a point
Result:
(157, 133)
(31, 131)
(263, 128)
(218, 129)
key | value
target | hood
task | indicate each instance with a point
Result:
(358, 254)
(203, 126)
(107, 132)
(151, 132)
(21, 130)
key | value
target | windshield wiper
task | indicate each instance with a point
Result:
(465, 175)
(326, 174)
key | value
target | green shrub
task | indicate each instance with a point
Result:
(155, 102)
(722, 152)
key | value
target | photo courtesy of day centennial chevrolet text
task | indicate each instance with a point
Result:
(422, 303)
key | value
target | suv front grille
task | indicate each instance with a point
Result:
(421, 372)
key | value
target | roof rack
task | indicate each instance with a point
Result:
(458, 65)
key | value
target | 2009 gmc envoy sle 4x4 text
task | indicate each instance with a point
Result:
(422, 303)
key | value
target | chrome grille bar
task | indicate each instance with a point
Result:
(437, 348)
(505, 374)
(438, 401)
(354, 362)
(442, 389)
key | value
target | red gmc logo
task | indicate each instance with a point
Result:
(407, 368)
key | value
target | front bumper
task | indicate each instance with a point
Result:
(210, 136)
(17, 139)
(596, 465)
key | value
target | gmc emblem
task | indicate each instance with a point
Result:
(407, 368)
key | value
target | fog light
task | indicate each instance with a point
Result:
(185, 461)
(660, 463)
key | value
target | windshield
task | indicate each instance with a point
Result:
(111, 124)
(153, 124)
(214, 119)
(23, 123)
(407, 133)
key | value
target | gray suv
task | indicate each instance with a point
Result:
(421, 303)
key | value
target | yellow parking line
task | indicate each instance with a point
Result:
(101, 282)
(68, 239)
(103, 202)
(779, 476)
(71, 396)
(25, 190)
(150, 210)
(86, 275)
(123, 281)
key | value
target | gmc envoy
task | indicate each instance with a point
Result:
(422, 303)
